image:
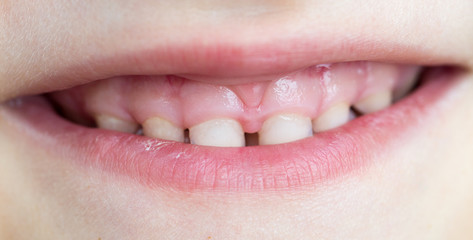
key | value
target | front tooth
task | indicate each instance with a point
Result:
(374, 102)
(157, 127)
(109, 122)
(335, 116)
(220, 132)
(285, 128)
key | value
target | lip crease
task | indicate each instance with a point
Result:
(306, 163)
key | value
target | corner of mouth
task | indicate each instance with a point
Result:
(303, 163)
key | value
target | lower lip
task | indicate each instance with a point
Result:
(308, 163)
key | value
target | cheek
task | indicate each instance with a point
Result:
(422, 188)
(427, 184)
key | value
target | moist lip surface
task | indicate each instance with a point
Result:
(166, 164)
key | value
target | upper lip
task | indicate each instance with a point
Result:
(228, 61)
(221, 59)
(163, 164)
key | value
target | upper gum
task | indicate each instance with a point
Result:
(193, 104)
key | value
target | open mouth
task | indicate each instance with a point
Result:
(235, 116)
(291, 107)
(296, 130)
(236, 119)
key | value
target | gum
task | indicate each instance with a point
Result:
(185, 102)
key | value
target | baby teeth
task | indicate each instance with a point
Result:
(218, 133)
(157, 127)
(285, 128)
(112, 123)
(374, 102)
(332, 118)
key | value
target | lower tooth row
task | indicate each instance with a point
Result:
(225, 132)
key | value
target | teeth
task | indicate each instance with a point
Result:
(374, 102)
(218, 133)
(285, 128)
(335, 116)
(157, 127)
(106, 121)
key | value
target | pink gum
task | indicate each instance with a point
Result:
(184, 102)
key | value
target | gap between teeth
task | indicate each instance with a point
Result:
(227, 132)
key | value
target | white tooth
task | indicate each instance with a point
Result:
(374, 102)
(285, 128)
(221, 132)
(106, 121)
(157, 127)
(335, 116)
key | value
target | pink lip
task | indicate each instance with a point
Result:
(228, 60)
(163, 164)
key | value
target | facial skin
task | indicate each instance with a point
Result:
(420, 190)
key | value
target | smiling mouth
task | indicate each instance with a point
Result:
(291, 107)
(292, 128)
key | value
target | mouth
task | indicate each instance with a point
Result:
(267, 127)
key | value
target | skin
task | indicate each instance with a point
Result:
(420, 190)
